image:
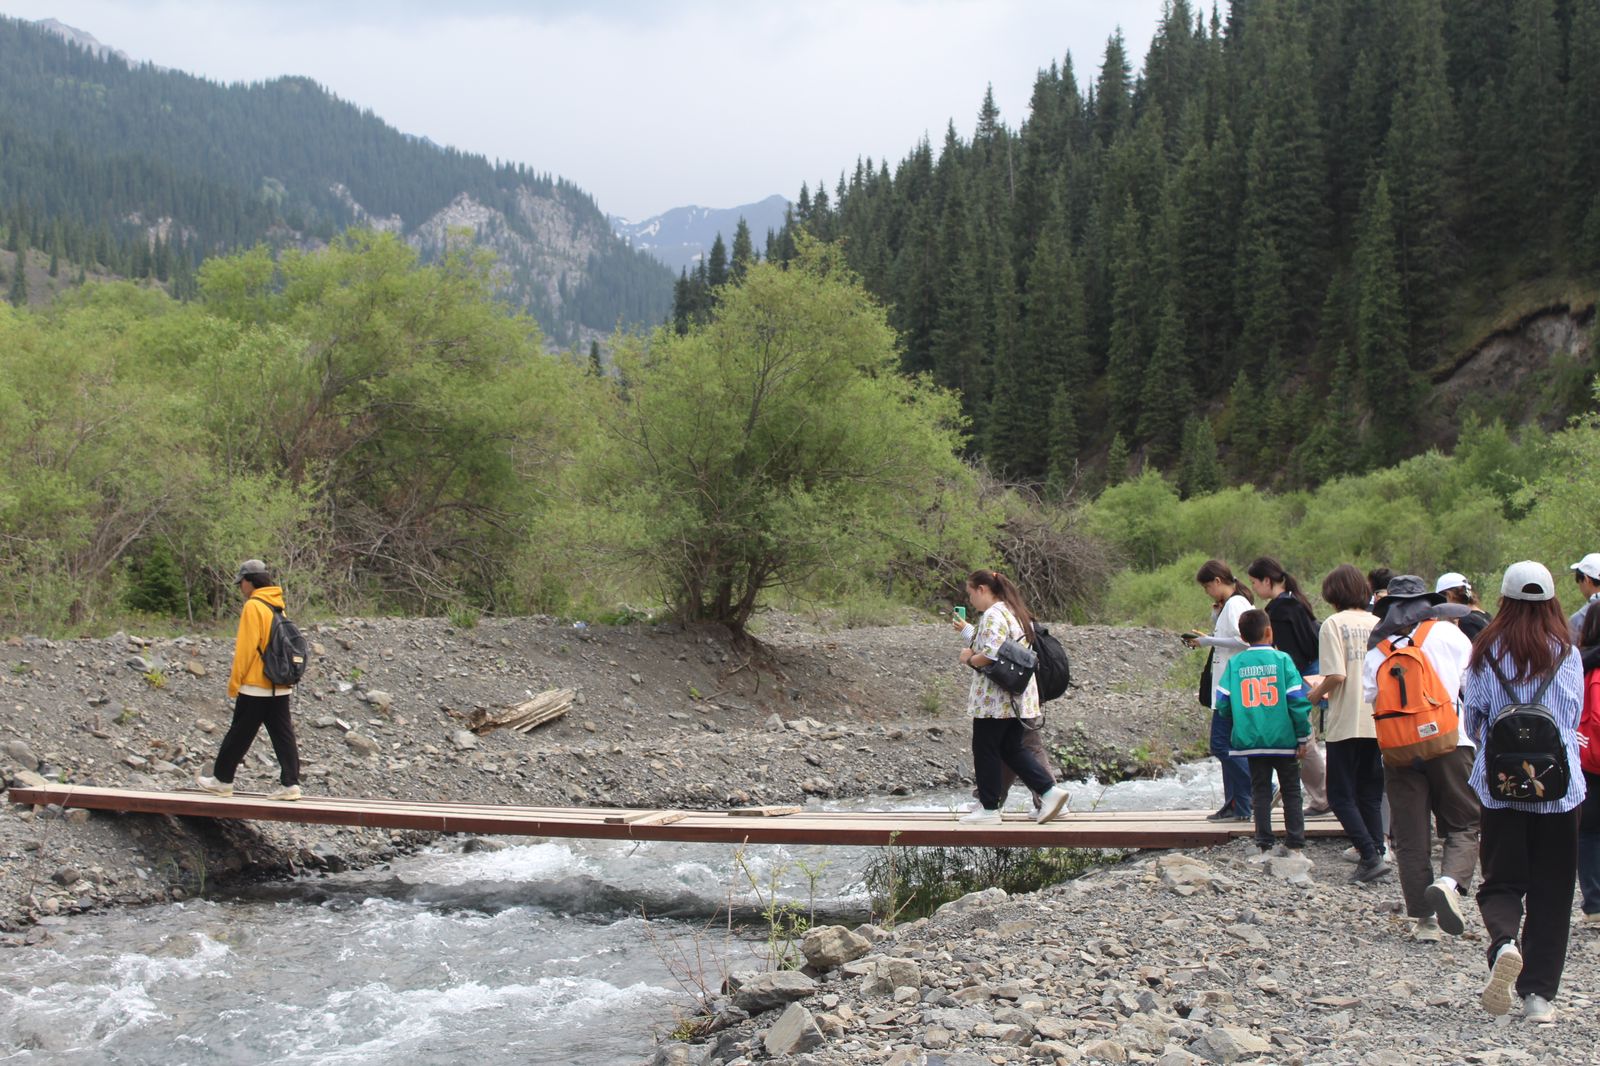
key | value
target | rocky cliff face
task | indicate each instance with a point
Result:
(1539, 370)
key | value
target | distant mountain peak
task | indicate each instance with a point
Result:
(82, 38)
(682, 236)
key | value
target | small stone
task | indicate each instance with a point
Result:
(195, 667)
(17, 752)
(138, 762)
(464, 739)
(76, 816)
(66, 875)
(379, 699)
(887, 974)
(1106, 1051)
(765, 991)
(205, 725)
(361, 745)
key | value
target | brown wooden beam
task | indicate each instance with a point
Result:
(1089, 829)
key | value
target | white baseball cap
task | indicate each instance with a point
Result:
(1452, 580)
(1588, 566)
(1528, 580)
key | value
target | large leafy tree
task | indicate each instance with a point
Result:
(775, 447)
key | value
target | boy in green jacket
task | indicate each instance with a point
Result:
(1264, 697)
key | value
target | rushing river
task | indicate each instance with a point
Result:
(560, 951)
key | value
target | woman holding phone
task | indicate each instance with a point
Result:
(1229, 600)
(1000, 721)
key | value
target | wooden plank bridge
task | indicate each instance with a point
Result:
(754, 825)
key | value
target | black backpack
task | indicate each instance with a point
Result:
(286, 655)
(1054, 671)
(1524, 753)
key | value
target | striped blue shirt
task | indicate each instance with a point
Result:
(1482, 696)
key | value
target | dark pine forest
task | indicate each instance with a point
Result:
(1274, 239)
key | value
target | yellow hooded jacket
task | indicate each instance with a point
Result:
(255, 625)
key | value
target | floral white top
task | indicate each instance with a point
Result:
(985, 699)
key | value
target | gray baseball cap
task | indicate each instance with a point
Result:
(250, 568)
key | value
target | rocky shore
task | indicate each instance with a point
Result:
(1174, 958)
(663, 716)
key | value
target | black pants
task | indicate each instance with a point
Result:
(1355, 792)
(998, 743)
(1287, 767)
(250, 713)
(1529, 860)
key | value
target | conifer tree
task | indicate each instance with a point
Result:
(1583, 118)
(596, 367)
(1167, 397)
(717, 264)
(1125, 362)
(1113, 102)
(1382, 356)
(1116, 460)
(1199, 470)
(1063, 441)
(956, 345)
(18, 293)
(1265, 329)
(743, 251)
(1053, 337)
(1534, 96)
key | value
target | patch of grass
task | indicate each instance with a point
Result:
(464, 617)
(911, 883)
(21, 667)
(126, 716)
(155, 679)
(929, 702)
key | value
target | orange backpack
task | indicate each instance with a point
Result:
(1414, 715)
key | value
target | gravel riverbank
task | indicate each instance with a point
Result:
(664, 716)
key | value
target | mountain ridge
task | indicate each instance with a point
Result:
(681, 236)
(134, 155)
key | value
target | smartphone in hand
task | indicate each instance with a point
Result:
(961, 613)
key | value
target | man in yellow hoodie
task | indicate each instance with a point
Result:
(257, 701)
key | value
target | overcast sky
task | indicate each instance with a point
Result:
(645, 105)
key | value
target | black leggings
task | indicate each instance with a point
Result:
(997, 743)
(250, 713)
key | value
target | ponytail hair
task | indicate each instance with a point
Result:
(1266, 568)
(1004, 590)
(1217, 570)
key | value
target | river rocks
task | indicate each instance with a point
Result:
(829, 946)
(464, 740)
(380, 699)
(205, 725)
(195, 667)
(974, 901)
(884, 975)
(794, 1031)
(1230, 1045)
(27, 779)
(19, 754)
(760, 992)
(361, 745)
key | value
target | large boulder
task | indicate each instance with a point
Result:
(766, 991)
(795, 1031)
(885, 974)
(828, 946)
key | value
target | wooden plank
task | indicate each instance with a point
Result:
(766, 812)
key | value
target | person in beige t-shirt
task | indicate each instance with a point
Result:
(1355, 768)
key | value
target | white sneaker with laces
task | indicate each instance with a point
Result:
(1052, 803)
(1536, 1008)
(286, 793)
(1498, 993)
(1427, 931)
(213, 786)
(1446, 903)
(980, 816)
(1351, 854)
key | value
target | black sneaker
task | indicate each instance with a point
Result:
(1371, 869)
(1221, 814)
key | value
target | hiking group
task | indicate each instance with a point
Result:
(1435, 715)
(1486, 728)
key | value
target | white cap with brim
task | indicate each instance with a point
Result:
(1528, 580)
(1452, 580)
(1588, 566)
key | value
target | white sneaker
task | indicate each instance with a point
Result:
(1497, 994)
(1446, 903)
(1052, 803)
(212, 785)
(1351, 854)
(1427, 931)
(981, 817)
(1536, 1008)
(1590, 921)
(1261, 857)
(286, 793)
